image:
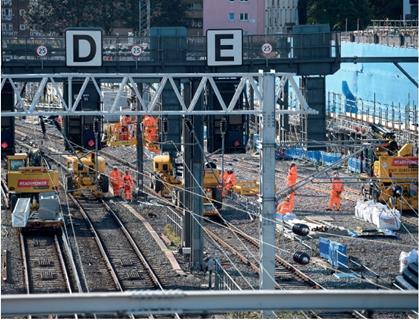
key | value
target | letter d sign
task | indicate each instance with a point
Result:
(83, 47)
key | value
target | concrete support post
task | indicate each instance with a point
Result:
(193, 178)
(140, 150)
(187, 178)
(267, 182)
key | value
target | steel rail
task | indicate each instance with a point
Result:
(62, 265)
(134, 246)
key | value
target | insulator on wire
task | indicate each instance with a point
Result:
(165, 125)
(301, 229)
(301, 257)
(43, 128)
(223, 126)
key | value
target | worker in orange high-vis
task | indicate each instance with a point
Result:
(128, 185)
(126, 120)
(229, 181)
(286, 206)
(116, 181)
(335, 193)
(292, 175)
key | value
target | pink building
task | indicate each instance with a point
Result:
(248, 15)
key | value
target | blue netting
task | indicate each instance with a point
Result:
(295, 153)
(329, 158)
(314, 156)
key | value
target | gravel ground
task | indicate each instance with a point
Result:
(10, 242)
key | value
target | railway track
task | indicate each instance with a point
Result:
(289, 277)
(121, 265)
(128, 266)
(45, 267)
(250, 166)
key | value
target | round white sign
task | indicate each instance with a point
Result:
(136, 51)
(41, 51)
(266, 48)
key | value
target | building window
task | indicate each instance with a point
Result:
(22, 27)
(231, 0)
(21, 12)
(6, 12)
(231, 16)
(243, 0)
(244, 16)
(10, 26)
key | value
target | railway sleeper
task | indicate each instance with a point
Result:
(48, 276)
(45, 262)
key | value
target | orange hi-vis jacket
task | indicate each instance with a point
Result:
(149, 121)
(128, 181)
(115, 176)
(292, 176)
(126, 120)
(287, 205)
(337, 185)
(229, 180)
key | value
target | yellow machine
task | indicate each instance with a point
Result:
(164, 178)
(27, 178)
(120, 134)
(213, 195)
(246, 188)
(394, 172)
(396, 179)
(86, 173)
(165, 181)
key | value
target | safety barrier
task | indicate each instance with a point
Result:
(330, 158)
(334, 252)
(326, 158)
(356, 165)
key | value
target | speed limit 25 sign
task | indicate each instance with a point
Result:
(41, 51)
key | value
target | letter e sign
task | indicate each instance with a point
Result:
(224, 47)
(83, 47)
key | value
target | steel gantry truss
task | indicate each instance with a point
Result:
(195, 302)
(161, 81)
(266, 86)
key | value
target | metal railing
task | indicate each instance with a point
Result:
(180, 49)
(175, 221)
(394, 24)
(396, 33)
(223, 281)
(394, 116)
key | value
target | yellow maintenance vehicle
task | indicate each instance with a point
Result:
(396, 179)
(394, 173)
(32, 191)
(122, 133)
(164, 180)
(86, 173)
(246, 188)
(168, 184)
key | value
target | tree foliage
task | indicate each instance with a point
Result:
(168, 13)
(55, 16)
(341, 14)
